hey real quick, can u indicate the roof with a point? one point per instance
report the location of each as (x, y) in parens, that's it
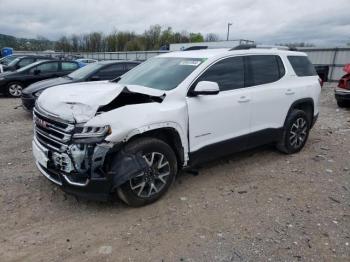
(208, 53)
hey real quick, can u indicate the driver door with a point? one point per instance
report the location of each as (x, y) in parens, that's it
(217, 122)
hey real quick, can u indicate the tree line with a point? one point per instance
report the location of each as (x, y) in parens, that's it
(154, 38)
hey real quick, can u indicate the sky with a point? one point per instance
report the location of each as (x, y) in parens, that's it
(321, 22)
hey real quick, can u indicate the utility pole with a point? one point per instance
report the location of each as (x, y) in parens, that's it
(228, 30)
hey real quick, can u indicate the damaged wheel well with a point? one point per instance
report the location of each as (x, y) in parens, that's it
(168, 135)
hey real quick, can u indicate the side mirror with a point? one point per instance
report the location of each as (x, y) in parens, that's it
(206, 88)
(37, 72)
(95, 78)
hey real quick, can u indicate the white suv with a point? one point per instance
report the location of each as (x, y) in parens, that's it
(132, 135)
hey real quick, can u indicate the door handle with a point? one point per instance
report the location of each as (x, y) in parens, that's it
(290, 92)
(243, 99)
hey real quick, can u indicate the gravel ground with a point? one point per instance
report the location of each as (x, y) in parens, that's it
(259, 205)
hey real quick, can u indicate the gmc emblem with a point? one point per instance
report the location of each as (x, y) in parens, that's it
(41, 122)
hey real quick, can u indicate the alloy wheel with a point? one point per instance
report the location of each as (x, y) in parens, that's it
(153, 180)
(15, 90)
(298, 132)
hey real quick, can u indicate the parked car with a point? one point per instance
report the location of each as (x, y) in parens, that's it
(322, 71)
(12, 83)
(342, 91)
(84, 61)
(104, 70)
(23, 61)
(131, 136)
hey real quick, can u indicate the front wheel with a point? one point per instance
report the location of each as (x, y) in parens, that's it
(14, 89)
(295, 133)
(152, 183)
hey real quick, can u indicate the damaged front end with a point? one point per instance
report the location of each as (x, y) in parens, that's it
(74, 157)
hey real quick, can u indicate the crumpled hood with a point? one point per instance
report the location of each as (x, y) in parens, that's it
(79, 102)
(41, 85)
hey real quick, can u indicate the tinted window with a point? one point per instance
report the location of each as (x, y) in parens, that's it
(46, 67)
(26, 61)
(130, 66)
(228, 73)
(111, 70)
(67, 66)
(302, 66)
(263, 69)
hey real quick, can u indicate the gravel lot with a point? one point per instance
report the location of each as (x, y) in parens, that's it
(259, 205)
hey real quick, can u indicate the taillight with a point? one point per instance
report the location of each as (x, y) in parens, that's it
(320, 81)
(344, 83)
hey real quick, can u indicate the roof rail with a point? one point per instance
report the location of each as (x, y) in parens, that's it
(245, 47)
(196, 47)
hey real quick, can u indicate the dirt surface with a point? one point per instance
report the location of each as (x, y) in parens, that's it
(258, 205)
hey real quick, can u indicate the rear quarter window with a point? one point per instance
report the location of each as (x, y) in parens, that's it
(302, 66)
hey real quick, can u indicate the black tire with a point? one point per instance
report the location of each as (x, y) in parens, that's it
(14, 89)
(342, 104)
(149, 147)
(295, 133)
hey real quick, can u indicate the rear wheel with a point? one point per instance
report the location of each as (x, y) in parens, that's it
(296, 132)
(151, 184)
(14, 89)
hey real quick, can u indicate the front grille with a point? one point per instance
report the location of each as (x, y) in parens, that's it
(52, 133)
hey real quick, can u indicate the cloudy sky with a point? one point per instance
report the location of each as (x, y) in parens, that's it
(322, 22)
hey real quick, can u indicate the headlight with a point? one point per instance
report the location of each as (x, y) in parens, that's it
(91, 131)
(37, 94)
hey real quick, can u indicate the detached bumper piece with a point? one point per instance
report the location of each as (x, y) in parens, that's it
(93, 189)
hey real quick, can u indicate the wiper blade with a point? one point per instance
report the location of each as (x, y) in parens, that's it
(116, 79)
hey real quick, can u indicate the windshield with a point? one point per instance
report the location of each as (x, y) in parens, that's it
(13, 62)
(28, 66)
(163, 73)
(7, 59)
(85, 71)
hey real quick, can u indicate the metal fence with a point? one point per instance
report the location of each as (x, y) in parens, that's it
(335, 58)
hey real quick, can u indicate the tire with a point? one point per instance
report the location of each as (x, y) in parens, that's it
(342, 104)
(14, 89)
(149, 187)
(295, 133)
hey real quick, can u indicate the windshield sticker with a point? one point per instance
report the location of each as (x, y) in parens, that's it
(190, 62)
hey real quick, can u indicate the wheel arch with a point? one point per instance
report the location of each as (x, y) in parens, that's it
(305, 104)
(168, 133)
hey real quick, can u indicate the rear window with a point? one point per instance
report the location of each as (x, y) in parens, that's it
(302, 66)
(263, 69)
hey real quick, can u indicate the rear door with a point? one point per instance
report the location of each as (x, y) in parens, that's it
(271, 97)
(217, 119)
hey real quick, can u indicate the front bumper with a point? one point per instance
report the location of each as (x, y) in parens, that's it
(28, 103)
(86, 186)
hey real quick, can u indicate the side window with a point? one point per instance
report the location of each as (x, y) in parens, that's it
(228, 73)
(130, 66)
(302, 66)
(46, 67)
(263, 69)
(111, 70)
(26, 61)
(67, 66)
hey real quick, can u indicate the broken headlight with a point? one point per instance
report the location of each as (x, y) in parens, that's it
(91, 132)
